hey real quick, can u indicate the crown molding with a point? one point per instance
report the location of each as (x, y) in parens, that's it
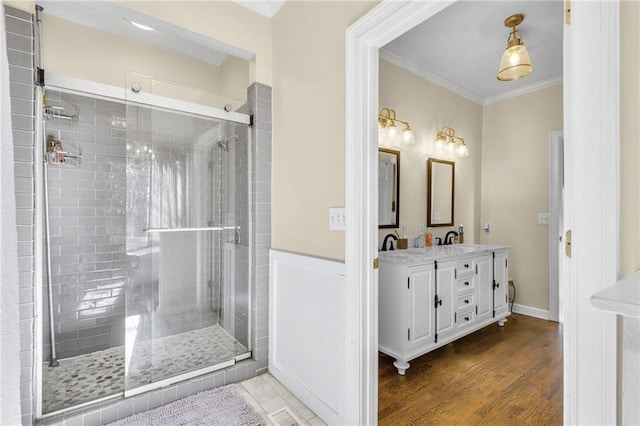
(431, 76)
(550, 82)
(267, 8)
(462, 91)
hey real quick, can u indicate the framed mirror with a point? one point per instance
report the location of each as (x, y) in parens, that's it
(440, 192)
(388, 188)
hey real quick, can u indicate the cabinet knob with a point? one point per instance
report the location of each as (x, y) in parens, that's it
(466, 283)
(466, 318)
(466, 265)
(466, 301)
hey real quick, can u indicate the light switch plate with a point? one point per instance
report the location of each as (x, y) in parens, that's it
(337, 220)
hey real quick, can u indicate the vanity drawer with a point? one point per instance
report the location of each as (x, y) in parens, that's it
(465, 284)
(465, 318)
(465, 267)
(466, 301)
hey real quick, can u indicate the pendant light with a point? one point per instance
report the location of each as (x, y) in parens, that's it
(515, 62)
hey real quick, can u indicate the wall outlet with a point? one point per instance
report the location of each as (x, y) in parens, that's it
(487, 227)
(543, 218)
(337, 220)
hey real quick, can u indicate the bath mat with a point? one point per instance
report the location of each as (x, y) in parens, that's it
(221, 406)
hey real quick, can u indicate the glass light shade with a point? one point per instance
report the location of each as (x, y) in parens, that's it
(440, 140)
(462, 150)
(451, 146)
(515, 63)
(407, 136)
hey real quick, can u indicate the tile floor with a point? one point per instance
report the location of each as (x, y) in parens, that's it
(88, 377)
(267, 395)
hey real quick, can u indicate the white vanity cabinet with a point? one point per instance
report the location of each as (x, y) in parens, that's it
(406, 325)
(430, 297)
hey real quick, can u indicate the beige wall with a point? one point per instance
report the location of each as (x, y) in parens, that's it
(224, 21)
(428, 108)
(76, 50)
(629, 137)
(515, 182)
(308, 123)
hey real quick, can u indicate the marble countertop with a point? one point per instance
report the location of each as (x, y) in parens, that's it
(622, 298)
(430, 254)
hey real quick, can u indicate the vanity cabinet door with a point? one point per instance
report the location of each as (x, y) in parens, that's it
(420, 313)
(484, 282)
(446, 301)
(501, 286)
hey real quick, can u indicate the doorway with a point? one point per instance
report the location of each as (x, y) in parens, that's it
(592, 172)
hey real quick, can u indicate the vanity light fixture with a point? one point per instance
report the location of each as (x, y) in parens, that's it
(388, 133)
(515, 62)
(447, 140)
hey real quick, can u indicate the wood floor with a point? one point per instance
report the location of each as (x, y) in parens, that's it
(509, 375)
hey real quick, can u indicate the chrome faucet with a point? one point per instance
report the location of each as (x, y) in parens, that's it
(447, 238)
(384, 242)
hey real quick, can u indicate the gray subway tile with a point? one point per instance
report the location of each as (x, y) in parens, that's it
(20, 74)
(21, 90)
(23, 138)
(18, 13)
(22, 122)
(19, 42)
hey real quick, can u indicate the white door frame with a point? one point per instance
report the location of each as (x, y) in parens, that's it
(556, 168)
(591, 119)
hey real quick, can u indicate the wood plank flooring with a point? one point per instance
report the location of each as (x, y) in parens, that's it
(509, 375)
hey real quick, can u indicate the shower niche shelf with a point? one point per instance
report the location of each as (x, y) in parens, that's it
(59, 114)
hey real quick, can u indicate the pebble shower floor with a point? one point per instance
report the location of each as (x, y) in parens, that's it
(92, 376)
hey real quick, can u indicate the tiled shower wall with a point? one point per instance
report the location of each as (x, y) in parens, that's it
(87, 227)
(259, 99)
(20, 54)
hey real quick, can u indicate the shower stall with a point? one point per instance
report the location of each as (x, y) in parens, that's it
(146, 219)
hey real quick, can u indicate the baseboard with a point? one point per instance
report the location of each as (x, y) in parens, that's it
(531, 312)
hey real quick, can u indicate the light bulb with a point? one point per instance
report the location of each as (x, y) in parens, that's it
(462, 150)
(392, 136)
(451, 146)
(407, 136)
(381, 135)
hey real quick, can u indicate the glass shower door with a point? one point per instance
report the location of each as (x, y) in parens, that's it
(187, 181)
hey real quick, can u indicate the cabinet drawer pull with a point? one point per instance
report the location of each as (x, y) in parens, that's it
(466, 301)
(466, 265)
(466, 283)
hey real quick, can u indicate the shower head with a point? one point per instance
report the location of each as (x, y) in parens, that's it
(224, 143)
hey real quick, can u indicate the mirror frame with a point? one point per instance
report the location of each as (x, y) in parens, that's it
(397, 154)
(430, 184)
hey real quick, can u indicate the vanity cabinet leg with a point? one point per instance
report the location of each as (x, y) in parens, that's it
(402, 366)
(501, 322)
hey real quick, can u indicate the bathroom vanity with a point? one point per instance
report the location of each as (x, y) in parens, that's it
(431, 296)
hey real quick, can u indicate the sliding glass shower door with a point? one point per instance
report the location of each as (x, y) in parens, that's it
(187, 205)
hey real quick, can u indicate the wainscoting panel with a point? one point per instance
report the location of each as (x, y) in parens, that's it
(307, 348)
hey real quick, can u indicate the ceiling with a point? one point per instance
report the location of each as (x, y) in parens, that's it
(112, 18)
(460, 47)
